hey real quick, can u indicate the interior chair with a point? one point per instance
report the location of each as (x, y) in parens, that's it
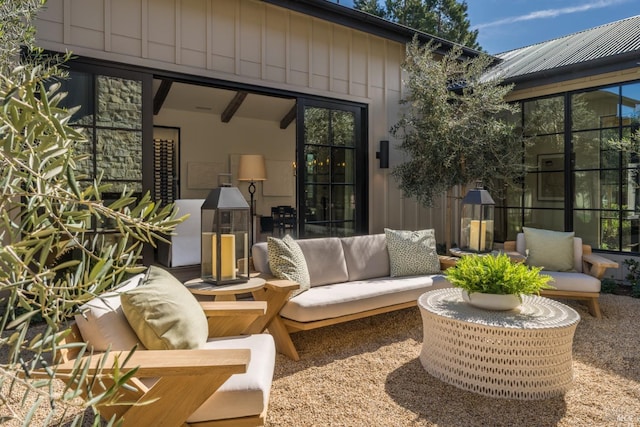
(224, 382)
(266, 225)
(289, 219)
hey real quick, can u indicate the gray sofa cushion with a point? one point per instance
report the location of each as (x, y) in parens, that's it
(260, 255)
(325, 260)
(366, 256)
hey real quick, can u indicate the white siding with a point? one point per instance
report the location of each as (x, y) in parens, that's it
(249, 41)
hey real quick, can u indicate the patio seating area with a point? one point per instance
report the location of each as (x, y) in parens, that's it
(370, 374)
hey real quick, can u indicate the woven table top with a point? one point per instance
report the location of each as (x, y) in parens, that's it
(535, 312)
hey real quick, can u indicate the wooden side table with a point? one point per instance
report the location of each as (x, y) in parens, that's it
(224, 292)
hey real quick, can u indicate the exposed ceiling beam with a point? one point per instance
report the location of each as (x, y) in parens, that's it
(233, 106)
(161, 95)
(288, 118)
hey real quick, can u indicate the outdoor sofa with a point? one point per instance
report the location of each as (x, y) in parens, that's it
(350, 278)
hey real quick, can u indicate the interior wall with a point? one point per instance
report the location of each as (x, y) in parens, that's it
(208, 146)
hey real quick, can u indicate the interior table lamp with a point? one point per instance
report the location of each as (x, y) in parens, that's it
(252, 169)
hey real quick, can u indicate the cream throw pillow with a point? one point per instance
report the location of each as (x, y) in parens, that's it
(552, 250)
(102, 322)
(412, 253)
(287, 261)
(164, 314)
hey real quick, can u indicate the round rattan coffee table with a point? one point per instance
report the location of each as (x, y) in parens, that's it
(519, 354)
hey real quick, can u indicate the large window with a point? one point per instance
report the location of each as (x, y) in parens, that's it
(575, 179)
(111, 115)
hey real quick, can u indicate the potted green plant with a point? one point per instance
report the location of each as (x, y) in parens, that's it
(496, 282)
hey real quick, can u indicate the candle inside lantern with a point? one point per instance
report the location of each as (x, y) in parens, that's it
(478, 234)
(227, 256)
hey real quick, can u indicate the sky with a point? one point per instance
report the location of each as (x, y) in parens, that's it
(509, 24)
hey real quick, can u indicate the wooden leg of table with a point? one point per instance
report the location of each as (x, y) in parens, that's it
(229, 297)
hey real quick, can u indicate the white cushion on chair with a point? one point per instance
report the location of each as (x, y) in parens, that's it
(246, 394)
(571, 281)
(103, 324)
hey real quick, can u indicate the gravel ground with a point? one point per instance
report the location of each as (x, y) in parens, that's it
(367, 373)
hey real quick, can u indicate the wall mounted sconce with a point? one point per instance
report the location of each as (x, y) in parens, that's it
(383, 154)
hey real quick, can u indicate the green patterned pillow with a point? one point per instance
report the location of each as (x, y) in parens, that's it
(286, 261)
(412, 253)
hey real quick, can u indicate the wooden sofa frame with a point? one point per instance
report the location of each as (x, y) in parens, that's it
(281, 328)
(593, 265)
(186, 377)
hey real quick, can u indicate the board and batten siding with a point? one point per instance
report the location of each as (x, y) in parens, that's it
(251, 42)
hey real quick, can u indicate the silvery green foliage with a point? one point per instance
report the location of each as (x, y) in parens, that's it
(456, 126)
(51, 260)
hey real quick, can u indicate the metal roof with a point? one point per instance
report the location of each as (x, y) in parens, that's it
(617, 42)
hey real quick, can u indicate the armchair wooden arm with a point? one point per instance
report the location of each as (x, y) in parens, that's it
(595, 265)
(186, 379)
(228, 318)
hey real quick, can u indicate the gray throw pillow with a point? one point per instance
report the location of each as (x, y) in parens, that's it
(412, 253)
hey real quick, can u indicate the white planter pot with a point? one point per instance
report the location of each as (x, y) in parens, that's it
(492, 301)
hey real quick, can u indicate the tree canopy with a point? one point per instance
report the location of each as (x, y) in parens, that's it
(447, 19)
(455, 126)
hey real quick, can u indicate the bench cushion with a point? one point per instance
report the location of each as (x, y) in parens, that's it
(246, 394)
(340, 299)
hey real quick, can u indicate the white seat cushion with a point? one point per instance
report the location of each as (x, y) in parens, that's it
(246, 394)
(572, 281)
(340, 299)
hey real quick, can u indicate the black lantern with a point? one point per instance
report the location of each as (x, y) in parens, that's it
(476, 228)
(224, 237)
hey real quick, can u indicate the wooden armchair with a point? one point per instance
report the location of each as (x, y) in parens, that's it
(226, 383)
(583, 283)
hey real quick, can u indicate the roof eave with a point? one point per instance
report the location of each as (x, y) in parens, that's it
(368, 23)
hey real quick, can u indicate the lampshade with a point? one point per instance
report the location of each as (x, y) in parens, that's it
(252, 168)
